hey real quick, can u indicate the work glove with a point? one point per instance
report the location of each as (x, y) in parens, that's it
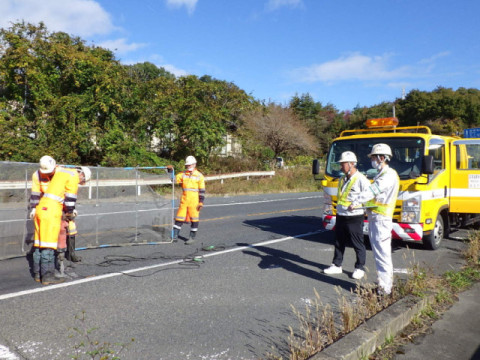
(32, 213)
(199, 207)
(75, 213)
(170, 168)
(69, 216)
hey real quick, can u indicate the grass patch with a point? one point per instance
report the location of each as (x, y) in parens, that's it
(298, 179)
(319, 326)
(446, 289)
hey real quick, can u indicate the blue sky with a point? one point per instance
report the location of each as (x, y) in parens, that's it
(342, 52)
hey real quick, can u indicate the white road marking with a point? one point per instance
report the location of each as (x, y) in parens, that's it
(171, 208)
(6, 354)
(106, 276)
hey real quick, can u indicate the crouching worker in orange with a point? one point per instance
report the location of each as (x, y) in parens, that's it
(61, 194)
(193, 185)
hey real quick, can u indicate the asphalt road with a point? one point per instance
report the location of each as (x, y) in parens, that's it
(182, 302)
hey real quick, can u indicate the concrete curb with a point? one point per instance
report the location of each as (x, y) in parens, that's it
(363, 341)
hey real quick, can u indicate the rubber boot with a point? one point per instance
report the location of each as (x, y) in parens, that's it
(191, 240)
(51, 279)
(36, 264)
(61, 263)
(71, 250)
(48, 277)
(176, 232)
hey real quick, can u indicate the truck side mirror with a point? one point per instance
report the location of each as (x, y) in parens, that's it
(316, 167)
(427, 165)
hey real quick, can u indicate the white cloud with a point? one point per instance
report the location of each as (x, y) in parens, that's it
(189, 4)
(121, 46)
(434, 57)
(352, 67)
(76, 17)
(158, 61)
(275, 4)
(173, 69)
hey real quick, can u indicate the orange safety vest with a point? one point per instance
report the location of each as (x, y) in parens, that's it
(62, 191)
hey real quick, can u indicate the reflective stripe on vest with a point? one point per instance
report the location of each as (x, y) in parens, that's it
(342, 197)
(54, 197)
(381, 208)
(194, 190)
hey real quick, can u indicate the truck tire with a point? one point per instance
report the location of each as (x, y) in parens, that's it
(432, 241)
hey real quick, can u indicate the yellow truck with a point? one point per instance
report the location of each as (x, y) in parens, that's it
(439, 178)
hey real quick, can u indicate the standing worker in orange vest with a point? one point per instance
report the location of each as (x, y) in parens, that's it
(60, 196)
(193, 185)
(40, 181)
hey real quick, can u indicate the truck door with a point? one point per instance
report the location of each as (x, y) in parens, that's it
(465, 176)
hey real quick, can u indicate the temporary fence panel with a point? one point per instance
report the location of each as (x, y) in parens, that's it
(119, 206)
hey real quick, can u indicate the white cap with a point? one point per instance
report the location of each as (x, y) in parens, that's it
(47, 164)
(190, 160)
(381, 149)
(348, 156)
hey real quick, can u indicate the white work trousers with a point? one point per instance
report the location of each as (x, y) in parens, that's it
(380, 233)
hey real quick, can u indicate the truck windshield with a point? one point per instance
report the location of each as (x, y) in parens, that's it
(407, 155)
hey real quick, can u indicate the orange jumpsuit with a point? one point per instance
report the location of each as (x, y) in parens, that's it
(61, 193)
(193, 185)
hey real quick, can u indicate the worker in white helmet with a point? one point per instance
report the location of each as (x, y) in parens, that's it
(380, 200)
(193, 197)
(349, 223)
(59, 198)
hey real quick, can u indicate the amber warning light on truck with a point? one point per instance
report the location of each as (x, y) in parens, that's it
(382, 122)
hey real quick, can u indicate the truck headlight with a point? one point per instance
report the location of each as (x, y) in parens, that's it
(411, 210)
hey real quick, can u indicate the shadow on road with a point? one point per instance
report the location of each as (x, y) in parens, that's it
(272, 258)
(292, 226)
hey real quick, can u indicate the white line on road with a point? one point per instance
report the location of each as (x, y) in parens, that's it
(105, 276)
(6, 354)
(170, 209)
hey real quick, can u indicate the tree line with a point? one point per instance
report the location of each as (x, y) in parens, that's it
(78, 103)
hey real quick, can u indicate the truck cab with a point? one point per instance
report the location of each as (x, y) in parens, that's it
(439, 178)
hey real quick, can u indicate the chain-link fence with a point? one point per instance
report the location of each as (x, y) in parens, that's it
(119, 206)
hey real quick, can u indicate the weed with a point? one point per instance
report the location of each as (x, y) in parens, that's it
(463, 279)
(445, 289)
(429, 311)
(89, 348)
(472, 253)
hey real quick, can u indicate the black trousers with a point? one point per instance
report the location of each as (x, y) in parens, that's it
(349, 230)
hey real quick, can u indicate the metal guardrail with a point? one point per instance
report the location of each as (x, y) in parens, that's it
(11, 185)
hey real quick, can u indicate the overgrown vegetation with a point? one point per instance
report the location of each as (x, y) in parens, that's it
(79, 104)
(319, 326)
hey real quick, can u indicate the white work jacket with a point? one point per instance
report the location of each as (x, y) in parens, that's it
(359, 186)
(384, 191)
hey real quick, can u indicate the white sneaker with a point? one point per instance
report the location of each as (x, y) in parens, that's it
(358, 274)
(333, 269)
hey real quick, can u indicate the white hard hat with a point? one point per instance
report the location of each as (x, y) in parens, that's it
(348, 156)
(47, 164)
(86, 172)
(381, 149)
(190, 160)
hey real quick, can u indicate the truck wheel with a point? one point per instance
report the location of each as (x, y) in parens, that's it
(432, 241)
